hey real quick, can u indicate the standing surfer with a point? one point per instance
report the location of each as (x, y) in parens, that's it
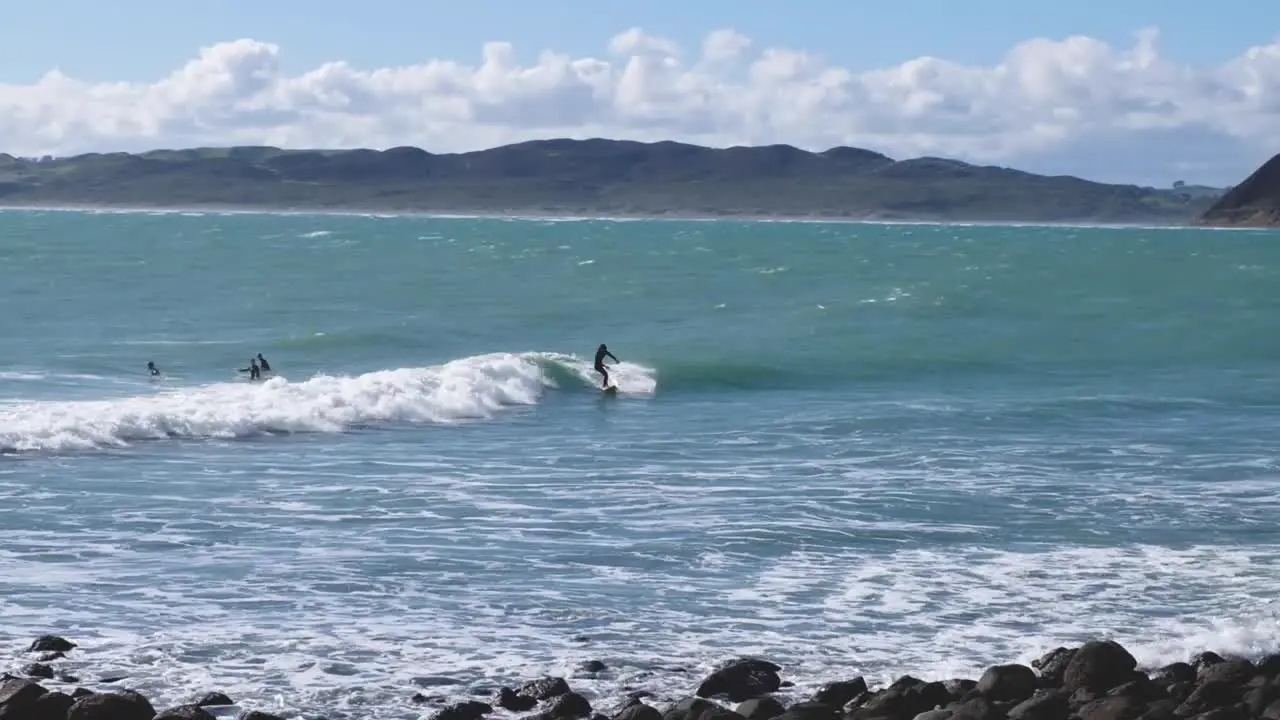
(601, 353)
(262, 363)
(255, 373)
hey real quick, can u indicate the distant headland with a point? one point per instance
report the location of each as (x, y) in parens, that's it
(1253, 203)
(597, 177)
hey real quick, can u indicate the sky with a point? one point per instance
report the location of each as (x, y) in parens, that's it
(1135, 91)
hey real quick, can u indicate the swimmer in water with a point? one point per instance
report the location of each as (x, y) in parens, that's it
(151, 368)
(262, 363)
(255, 373)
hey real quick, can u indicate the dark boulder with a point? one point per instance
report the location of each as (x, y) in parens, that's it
(185, 712)
(1259, 698)
(640, 711)
(38, 670)
(509, 699)
(811, 711)
(1162, 709)
(1118, 707)
(1175, 673)
(1007, 682)
(905, 698)
(257, 715)
(568, 706)
(593, 666)
(1099, 665)
(1270, 665)
(695, 708)
(1052, 665)
(544, 688)
(51, 706)
(761, 708)
(741, 680)
(16, 693)
(124, 705)
(1205, 659)
(51, 643)
(1044, 705)
(1234, 672)
(976, 708)
(468, 710)
(840, 693)
(1209, 696)
(214, 698)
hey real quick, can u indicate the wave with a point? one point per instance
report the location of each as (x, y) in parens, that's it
(471, 388)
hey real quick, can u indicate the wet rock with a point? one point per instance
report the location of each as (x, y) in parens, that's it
(68, 678)
(256, 715)
(695, 708)
(544, 688)
(840, 693)
(420, 699)
(811, 711)
(762, 708)
(593, 666)
(1119, 707)
(741, 680)
(568, 706)
(1052, 665)
(978, 708)
(16, 693)
(1008, 682)
(1162, 709)
(640, 711)
(81, 692)
(1270, 665)
(1044, 705)
(959, 687)
(185, 712)
(905, 698)
(38, 670)
(214, 698)
(1099, 665)
(469, 710)
(509, 699)
(1205, 659)
(1209, 696)
(1176, 673)
(52, 705)
(51, 643)
(1235, 672)
(939, 714)
(1257, 699)
(50, 656)
(125, 705)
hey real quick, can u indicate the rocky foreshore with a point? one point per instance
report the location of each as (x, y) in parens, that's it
(1099, 680)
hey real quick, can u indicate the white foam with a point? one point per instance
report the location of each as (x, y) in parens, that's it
(465, 389)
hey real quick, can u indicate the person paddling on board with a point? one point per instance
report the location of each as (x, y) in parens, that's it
(601, 353)
(254, 372)
(262, 363)
(151, 368)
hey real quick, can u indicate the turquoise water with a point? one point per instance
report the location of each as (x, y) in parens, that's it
(852, 448)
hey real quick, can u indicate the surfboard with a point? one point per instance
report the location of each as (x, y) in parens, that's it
(611, 390)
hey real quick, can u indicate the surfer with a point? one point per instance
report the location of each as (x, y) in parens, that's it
(262, 363)
(151, 368)
(255, 373)
(601, 353)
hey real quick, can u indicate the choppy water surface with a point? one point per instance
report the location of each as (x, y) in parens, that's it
(868, 449)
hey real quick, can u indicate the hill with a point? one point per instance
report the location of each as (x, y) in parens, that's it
(586, 177)
(1253, 203)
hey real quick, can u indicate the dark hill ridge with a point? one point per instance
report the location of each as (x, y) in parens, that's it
(1253, 203)
(585, 177)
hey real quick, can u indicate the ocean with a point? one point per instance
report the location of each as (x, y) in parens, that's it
(854, 449)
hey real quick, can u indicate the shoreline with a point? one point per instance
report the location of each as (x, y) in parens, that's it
(555, 216)
(1098, 680)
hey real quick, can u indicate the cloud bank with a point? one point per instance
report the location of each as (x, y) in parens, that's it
(1075, 105)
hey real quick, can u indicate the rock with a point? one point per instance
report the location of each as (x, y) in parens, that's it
(38, 670)
(741, 680)
(939, 714)
(695, 708)
(1273, 711)
(81, 692)
(544, 688)
(840, 693)
(255, 715)
(568, 706)
(593, 666)
(52, 705)
(1007, 682)
(1230, 712)
(1235, 672)
(1206, 659)
(125, 705)
(50, 656)
(1119, 707)
(1099, 665)
(905, 698)
(51, 643)
(640, 711)
(18, 693)
(1044, 705)
(509, 699)
(1160, 710)
(1209, 696)
(977, 708)
(1258, 698)
(214, 698)
(1053, 664)
(761, 708)
(811, 711)
(959, 687)
(469, 710)
(1270, 665)
(1175, 673)
(185, 712)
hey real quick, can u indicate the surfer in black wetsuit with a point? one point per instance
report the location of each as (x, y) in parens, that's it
(255, 373)
(262, 363)
(151, 368)
(601, 353)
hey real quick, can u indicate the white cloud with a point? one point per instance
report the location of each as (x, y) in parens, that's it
(1072, 105)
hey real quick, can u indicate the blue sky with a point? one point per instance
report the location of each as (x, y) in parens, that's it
(140, 40)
